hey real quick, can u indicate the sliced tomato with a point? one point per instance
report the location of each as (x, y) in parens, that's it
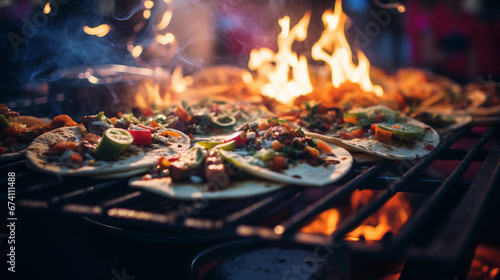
(345, 135)
(382, 135)
(141, 137)
(358, 133)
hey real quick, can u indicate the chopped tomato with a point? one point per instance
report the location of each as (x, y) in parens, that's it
(324, 147)
(353, 120)
(163, 163)
(172, 159)
(182, 114)
(263, 126)
(279, 163)
(154, 124)
(148, 112)
(378, 118)
(276, 145)
(322, 109)
(287, 126)
(345, 135)
(429, 147)
(64, 146)
(358, 133)
(113, 120)
(141, 137)
(76, 158)
(170, 133)
(372, 129)
(191, 136)
(314, 153)
(272, 124)
(119, 114)
(382, 135)
(147, 127)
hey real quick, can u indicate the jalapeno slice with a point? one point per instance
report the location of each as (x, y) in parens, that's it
(224, 121)
(403, 129)
(114, 141)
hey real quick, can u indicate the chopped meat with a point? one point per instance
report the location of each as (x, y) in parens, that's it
(300, 143)
(60, 121)
(279, 133)
(28, 136)
(4, 110)
(92, 138)
(215, 171)
(90, 123)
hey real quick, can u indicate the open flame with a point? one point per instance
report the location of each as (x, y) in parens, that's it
(276, 66)
(99, 31)
(332, 48)
(389, 218)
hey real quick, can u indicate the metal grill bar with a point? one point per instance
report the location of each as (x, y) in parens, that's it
(449, 244)
(323, 204)
(410, 228)
(352, 222)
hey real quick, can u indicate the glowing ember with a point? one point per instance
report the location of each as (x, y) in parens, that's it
(99, 31)
(340, 59)
(276, 67)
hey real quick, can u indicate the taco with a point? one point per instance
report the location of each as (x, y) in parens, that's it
(106, 152)
(210, 117)
(382, 132)
(16, 131)
(269, 150)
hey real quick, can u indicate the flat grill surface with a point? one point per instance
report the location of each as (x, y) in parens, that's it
(452, 206)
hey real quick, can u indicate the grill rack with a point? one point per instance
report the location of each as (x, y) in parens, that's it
(137, 214)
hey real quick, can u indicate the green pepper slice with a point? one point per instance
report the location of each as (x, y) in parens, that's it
(4, 122)
(403, 129)
(114, 141)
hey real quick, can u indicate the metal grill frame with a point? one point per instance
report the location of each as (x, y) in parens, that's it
(112, 206)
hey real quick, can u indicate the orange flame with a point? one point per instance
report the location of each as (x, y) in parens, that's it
(340, 59)
(388, 219)
(325, 223)
(179, 85)
(150, 93)
(99, 31)
(280, 86)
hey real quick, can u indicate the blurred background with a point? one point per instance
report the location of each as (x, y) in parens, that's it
(455, 38)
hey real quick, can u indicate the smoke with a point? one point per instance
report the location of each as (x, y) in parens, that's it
(42, 43)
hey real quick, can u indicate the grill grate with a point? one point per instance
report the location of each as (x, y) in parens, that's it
(280, 215)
